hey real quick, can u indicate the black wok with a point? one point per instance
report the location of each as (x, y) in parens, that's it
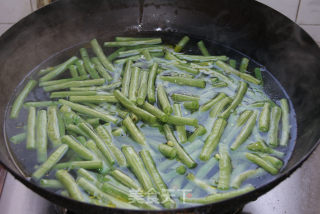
(248, 26)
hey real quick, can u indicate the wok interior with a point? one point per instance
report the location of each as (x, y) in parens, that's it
(257, 31)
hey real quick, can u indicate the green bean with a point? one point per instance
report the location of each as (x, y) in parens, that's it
(225, 169)
(244, 64)
(198, 58)
(202, 184)
(237, 181)
(186, 68)
(99, 142)
(51, 183)
(213, 139)
(244, 116)
(99, 52)
(17, 104)
(181, 170)
(101, 70)
(151, 83)
(107, 138)
(160, 185)
(266, 165)
(40, 104)
(169, 56)
(216, 197)
(236, 101)
(69, 183)
(89, 66)
(155, 111)
(50, 162)
(260, 146)
(18, 138)
(184, 97)
(201, 130)
(124, 39)
(143, 88)
(181, 130)
(76, 130)
(95, 191)
(124, 195)
(106, 166)
(144, 115)
(274, 126)
(163, 100)
(245, 131)
(181, 44)
(244, 76)
(191, 105)
(118, 132)
(78, 148)
(45, 70)
(203, 49)
(257, 73)
(59, 69)
(93, 164)
(199, 83)
(60, 81)
(133, 43)
(80, 66)
(87, 175)
(233, 63)
(41, 137)
(126, 79)
(137, 167)
(31, 129)
(134, 84)
(130, 58)
(88, 111)
(61, 125)
(219, 107)
(135, 133)
(277, 163)
(264, 119)
(215, 100)
(93, 121)
(285, 131)
(81, 139)
(124, 179)
(116, 54)
(146, 54)
(62, 94)
(219, 84)
(183, 156)
(53, 126)
(79, 83)
(73, 71)
(94, 99)
(98, 88)
(126, 53)
(168, 151)
(181, 121)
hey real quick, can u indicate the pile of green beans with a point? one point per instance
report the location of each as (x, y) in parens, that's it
(150, 121)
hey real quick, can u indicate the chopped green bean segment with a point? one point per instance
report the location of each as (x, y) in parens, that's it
(181, 44)
(133, 43)
(199, 83)
(16, 139)
(203, 48)
(17, 104)
(244, 64)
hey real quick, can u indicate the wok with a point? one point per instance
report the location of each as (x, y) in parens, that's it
(245, 25)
